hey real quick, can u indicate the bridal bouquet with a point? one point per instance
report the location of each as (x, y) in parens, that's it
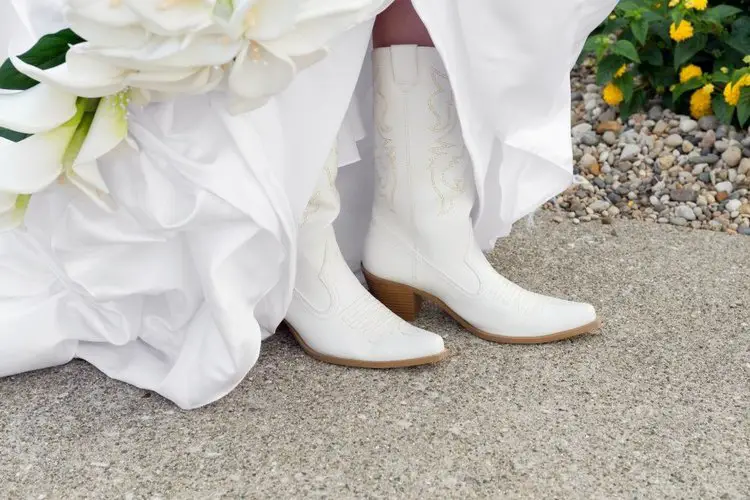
(64, 103)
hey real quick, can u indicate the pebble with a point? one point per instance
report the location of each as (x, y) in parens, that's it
(587, 161)
(630, 152)
(674, 140)
(708, 123)
(688, 125)
(733, 206)
(709, 158)
(725, 187)
(683, 195)
(732, 156)
(685, 212)
(609, 138)
(678, 221)
(581, 129)
(599, 205)
(708, 140)
(656, 166)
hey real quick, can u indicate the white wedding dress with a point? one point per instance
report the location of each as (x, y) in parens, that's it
(175, 290)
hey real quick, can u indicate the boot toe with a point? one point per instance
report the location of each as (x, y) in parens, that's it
(408, 342)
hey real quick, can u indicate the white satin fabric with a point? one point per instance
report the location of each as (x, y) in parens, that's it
(175, 290)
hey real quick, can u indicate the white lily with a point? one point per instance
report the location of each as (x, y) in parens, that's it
(162, 54)
(38, 109)
(81, 75)
(171, 17)
(33, 164)
(105, 32)
(106, 130)
(69, 151)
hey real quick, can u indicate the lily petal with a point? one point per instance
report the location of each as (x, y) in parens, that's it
(38, 109)
(108, 129)
(107, 12)
(270, 19)
(7, 202)
(33, 164)
(198, 82)
(88, 179)
(258, 73)
(103, 35)
(80, 75)
(161, 53)
(171, 17)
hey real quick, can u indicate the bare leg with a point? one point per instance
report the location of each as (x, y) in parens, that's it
(400, 24)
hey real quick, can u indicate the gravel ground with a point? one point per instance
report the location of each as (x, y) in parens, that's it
(658, 166)
(656, 406)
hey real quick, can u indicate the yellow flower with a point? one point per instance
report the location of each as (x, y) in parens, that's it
(612, 94)
(613, 17)
(657, 6)
(681, 32)
(700, 102)
(689, 72)
(724, 70)
(732, 94)
(696, 4)
(674, 3)
(623, 69)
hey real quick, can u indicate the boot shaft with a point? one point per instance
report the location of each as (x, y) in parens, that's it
(424, 175)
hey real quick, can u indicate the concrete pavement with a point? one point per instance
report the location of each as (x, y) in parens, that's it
(657, 405)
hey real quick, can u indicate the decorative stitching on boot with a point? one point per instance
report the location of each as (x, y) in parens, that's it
(368, 316)
(448, 180)
(385, 162)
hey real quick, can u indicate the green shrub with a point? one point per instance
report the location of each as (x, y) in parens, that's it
(695, 56)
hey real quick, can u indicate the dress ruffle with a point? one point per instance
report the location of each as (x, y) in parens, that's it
(175, 290)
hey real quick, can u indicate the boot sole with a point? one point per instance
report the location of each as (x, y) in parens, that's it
(406, 302)
(356, 363)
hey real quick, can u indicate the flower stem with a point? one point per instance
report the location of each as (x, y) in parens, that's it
(89, 107)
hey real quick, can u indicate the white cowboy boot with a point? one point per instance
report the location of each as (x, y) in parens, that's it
(332, 315)
(421, 242)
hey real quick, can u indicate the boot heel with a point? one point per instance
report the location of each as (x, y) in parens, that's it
(400, 299)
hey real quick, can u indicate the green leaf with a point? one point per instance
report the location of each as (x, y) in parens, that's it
(640, 30)
(723, 111)
(608, 66)
(689, 85)
(721, 12)
(48, 52)
(12, 135)
(652, 55)
(664, 76)
(719, 77)
(652, 17)
(627, 6)
(592, 43)
(632, 105)
(626, 49)
(743, 107)
(677, 16)
(689, 48)
(625, 82)
(740, 37)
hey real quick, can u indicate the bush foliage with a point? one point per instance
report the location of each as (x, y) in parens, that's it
(694, 55)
